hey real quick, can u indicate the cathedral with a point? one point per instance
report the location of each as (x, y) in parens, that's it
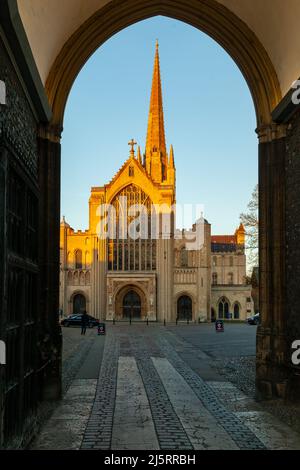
(115, 276)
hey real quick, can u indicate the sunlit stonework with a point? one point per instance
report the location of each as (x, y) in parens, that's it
(154, 279)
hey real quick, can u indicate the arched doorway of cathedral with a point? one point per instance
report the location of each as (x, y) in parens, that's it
(184, 308)
(212, 315)
(249, 54)
(130, 303)
(79, 303)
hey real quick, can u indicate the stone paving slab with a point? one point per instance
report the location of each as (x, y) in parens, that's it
(133, 426)
(270, 430)
(156, 390)
(202, 429)
(65, 429)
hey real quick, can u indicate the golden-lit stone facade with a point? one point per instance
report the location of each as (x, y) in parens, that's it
(149, 277)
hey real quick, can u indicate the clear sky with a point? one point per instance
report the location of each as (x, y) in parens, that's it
(209, 119)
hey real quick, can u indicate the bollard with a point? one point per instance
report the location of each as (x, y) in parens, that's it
(188, 321)
(114, 321)
(147, 322)
(199, 320)
(130, 320)
(164, 322)
(176, 320)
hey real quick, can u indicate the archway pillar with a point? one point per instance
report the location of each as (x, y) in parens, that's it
(272, 361)
(49, 262)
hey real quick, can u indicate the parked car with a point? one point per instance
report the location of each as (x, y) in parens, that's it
(254, 320)
(75, 320)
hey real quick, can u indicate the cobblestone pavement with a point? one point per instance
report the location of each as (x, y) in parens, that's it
(159, 387)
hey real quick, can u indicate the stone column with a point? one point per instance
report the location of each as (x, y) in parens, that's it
(102, 268)
(165, 273)
(271, 360)
(292, 211)
(49, 225)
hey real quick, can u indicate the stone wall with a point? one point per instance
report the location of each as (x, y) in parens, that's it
(292, 205)
(29, 333)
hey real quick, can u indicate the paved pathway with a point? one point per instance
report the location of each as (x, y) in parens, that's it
(147, 387)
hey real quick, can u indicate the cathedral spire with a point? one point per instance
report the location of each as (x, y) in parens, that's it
(156, 154)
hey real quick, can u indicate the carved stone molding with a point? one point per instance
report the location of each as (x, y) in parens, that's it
(270, 132)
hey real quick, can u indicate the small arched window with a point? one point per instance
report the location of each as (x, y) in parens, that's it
(230, 278)
(78, 259)
(236, 311)
(215, 261)
(214, 279)
(231, 261)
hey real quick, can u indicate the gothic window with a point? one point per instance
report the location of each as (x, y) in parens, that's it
(230, 261)
(215, 262)
(131, 171)
(214, 279)
(230, 278)
(223, 309)
(78, 259)
(124, 252)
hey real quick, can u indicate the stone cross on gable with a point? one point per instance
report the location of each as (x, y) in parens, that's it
(132, 143)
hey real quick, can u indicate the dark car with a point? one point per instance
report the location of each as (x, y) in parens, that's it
(75, 320)
(254, 320)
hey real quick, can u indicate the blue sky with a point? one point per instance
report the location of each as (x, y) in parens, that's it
(209, 119)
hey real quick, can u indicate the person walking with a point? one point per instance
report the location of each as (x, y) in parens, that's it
(84, 322)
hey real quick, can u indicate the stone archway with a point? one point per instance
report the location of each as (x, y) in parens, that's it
(248, 53)
(130, 303)
(79, 303)
(184, 308)
(208, 16)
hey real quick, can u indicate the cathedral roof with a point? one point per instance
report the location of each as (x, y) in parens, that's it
(223, 239)
(130, 161)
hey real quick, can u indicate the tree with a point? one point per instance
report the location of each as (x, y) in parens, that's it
(250, 221)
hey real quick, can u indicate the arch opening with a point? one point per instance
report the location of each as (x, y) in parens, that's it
(210, 17)
(79, 303)
(184, 308)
